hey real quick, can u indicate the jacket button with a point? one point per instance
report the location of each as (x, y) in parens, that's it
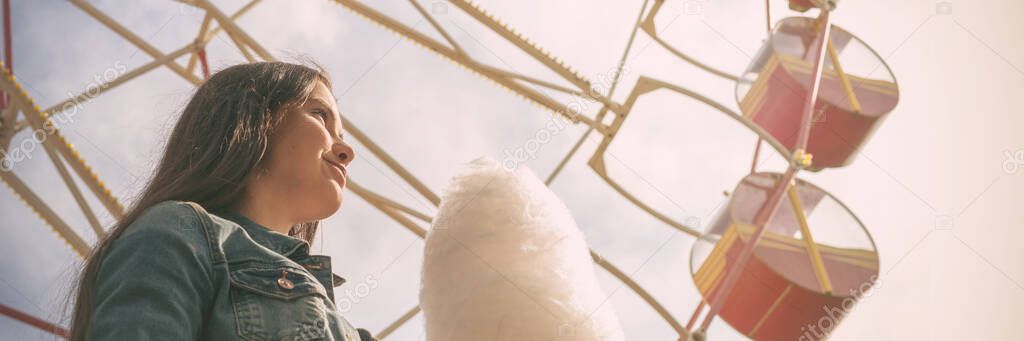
(284, 282)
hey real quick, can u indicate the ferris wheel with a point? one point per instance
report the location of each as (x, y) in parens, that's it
(781, 250)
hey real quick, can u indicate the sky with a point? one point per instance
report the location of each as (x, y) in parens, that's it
(938, 185)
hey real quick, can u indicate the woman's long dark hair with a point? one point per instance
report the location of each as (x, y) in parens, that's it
(220, 138)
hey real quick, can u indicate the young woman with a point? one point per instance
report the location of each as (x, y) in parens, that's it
(216, 247)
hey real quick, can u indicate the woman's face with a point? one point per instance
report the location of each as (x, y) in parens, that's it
(307, 162)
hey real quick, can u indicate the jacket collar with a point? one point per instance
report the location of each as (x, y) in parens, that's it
(291, 247)
(287, 246)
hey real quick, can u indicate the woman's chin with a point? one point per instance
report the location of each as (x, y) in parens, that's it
(326, 208)
(329, 199)
(334, 203)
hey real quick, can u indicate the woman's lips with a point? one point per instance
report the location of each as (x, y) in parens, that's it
(341, 167)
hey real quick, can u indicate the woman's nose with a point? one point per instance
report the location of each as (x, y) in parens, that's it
(344, 152)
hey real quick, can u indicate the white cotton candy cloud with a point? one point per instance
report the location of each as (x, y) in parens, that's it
(504, 260)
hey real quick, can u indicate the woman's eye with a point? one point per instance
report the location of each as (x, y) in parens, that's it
(321, 113)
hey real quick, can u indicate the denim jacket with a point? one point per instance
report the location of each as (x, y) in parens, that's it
(179, 272)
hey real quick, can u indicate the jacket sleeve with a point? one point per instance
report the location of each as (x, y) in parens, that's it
(155, 280)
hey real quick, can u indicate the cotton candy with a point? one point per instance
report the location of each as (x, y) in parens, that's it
(504, 260)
